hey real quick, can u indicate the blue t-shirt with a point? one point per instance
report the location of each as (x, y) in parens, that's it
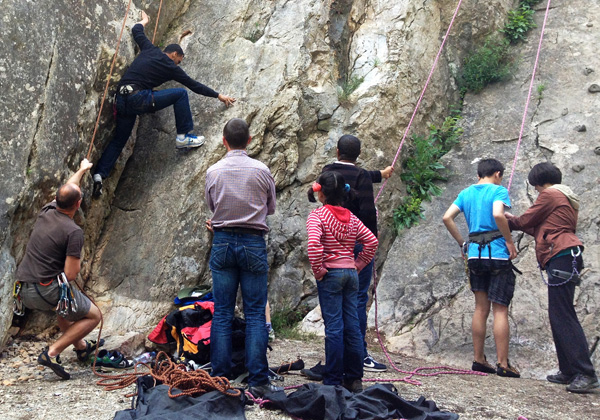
(477, 203)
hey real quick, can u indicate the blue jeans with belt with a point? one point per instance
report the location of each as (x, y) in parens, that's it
(138, 103)
(239, 259)
(343, 340)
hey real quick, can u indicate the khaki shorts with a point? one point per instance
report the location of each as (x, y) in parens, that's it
(45, 298)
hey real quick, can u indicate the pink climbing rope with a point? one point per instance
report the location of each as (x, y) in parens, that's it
(537, 58)
(440, 370)
(437, 57)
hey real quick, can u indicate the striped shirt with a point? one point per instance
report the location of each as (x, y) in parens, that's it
(240, 191)
(332, 234)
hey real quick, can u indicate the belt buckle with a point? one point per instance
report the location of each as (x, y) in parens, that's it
(125, 89)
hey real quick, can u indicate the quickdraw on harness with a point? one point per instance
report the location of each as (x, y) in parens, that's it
(18, 307)
(66, 301)
(564, 275)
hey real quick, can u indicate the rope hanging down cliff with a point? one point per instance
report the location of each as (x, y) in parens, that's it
(537, 58)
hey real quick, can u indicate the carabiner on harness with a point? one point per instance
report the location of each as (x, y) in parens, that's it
(66, 301)
(18, 307)
(565, 275)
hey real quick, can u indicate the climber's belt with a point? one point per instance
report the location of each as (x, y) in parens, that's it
(127, 90)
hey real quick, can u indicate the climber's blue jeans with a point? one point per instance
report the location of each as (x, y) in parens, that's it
(143, 102)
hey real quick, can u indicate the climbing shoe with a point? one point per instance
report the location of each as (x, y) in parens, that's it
(112, 360)
(483, 367)
(508, 372)
(370, 365)
(90, 348)
(559, 378)
(354, 386)
(583, 384)
(189, 141)
(97, 189)
(53, 363)
(315, 373)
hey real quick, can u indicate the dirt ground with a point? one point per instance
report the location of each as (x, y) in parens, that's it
(32, 392)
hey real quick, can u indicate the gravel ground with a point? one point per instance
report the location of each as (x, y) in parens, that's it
(30, 391)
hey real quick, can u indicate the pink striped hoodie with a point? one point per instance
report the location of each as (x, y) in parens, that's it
(332, 233)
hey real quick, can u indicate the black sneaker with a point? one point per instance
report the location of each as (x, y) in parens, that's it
(483, 367)
(90, 348)
(53, 363)
(370, 365)
(583, 384)
(97, 190)
(261, 390)
(559, 378)
(354, 386)
(315, 373)
(507, 372)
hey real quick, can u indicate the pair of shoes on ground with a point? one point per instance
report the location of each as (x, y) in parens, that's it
(189, 141)
(486, 367)
(112, 360)
(261, 391)
(53, 363)
(90, 348)
(579, 383)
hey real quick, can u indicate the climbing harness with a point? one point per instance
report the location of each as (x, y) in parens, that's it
(484, 239)
(564, 275)
(18, 308)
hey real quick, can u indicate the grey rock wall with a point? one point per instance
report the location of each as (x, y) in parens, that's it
(285, 62)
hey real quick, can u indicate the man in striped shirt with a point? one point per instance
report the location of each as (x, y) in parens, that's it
(240, 191)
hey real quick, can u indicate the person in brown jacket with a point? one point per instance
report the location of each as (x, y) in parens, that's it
(552, 221)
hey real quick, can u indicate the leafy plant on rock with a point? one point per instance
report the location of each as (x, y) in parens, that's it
(348, 87)
(422, 170)
(519, 22)
(488, 64)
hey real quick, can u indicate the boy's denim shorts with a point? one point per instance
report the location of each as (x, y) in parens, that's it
(495, 277)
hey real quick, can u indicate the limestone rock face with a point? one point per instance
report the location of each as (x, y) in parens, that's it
(425, 305)
(290, 65)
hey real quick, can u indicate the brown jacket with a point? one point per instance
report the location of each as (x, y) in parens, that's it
(552, 221)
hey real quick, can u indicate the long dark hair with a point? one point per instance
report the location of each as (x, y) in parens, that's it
(334, 187)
